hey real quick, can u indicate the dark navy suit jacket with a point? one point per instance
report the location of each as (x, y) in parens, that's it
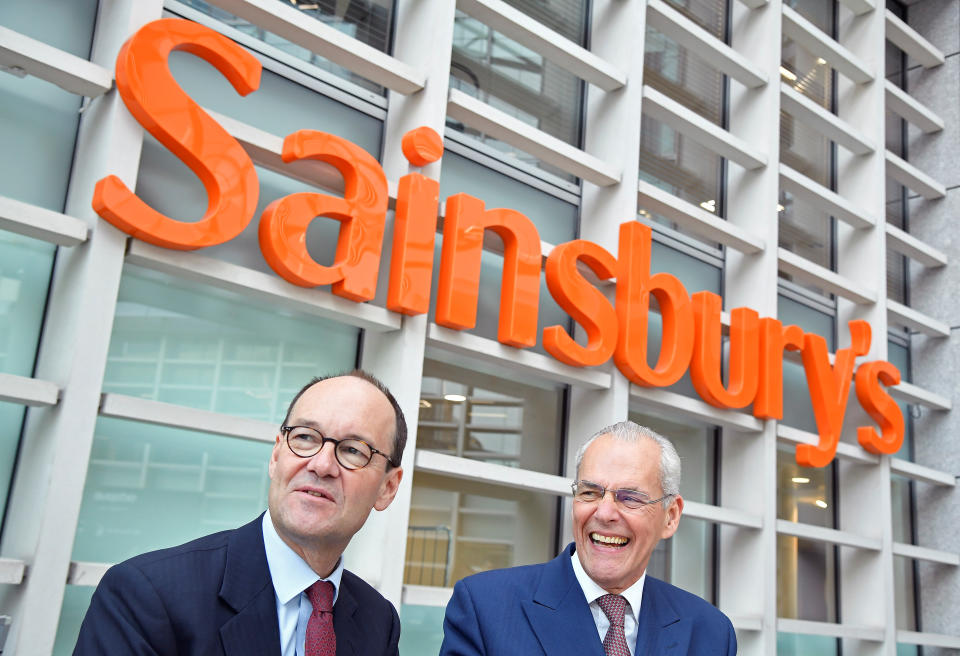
(214, 596)
(541, 609)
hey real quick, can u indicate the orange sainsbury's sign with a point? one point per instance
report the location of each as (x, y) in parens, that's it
(691, 331)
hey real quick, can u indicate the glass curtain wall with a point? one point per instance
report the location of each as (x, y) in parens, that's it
(33, 112)
(803, 229)
(518, 81)
(668, 159)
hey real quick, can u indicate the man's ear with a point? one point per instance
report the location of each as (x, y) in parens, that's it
(672, 519)
(388, 488)
(274, 455)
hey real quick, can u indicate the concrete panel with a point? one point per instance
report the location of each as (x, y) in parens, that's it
(935, 222)
(939, 22)
(936, 362)
(937, 154)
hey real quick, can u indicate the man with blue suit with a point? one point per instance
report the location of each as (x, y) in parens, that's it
(595, 598)
(276, 585)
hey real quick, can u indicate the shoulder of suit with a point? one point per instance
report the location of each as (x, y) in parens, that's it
(691, 603)
(169, 558)
(521, 576)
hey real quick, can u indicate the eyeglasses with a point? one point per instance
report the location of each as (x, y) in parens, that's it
(587, 492)
(350, 452)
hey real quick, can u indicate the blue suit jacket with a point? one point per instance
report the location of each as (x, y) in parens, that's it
(214, 596)
(541, 609)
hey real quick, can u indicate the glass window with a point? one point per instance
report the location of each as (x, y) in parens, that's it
(795, 644)
(806, 570)
(556, 220)
(150, 487)
(687, 559)
(279, 106)
(481, 417)
(25, 266)
(899, 356)
(368, 21)
(195, 346)
(458, 528)
(518, 81)
(799, 411)
(64, 25)
(422, 629)
(668, 159)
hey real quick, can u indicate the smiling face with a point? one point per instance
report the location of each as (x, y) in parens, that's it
(613, 543)
(315, 504)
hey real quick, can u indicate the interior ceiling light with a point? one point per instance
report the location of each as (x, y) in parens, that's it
(821, 503)
(425, 404)
(709, 205)
(800, 479)
(780, 208)
(454, 398)
(821, 61)
(787, 73)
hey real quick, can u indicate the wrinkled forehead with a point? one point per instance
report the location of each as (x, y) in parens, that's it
(617, 463)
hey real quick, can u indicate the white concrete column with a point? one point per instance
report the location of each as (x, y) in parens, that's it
(52, 466)
(612, 133)
(866, 577)
(377, 552)
(748, 467)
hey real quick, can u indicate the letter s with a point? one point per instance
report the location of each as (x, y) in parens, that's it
(169, 114)
(880, 406)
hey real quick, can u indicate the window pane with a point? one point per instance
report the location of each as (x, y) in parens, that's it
(794, 644)
(422, 629)
(806, 572)
(280, 106)
(481, 417)
(804, 494)
(195, 346)
(799, 412)
(516, 80)
(25, 266)
(555, 219)
(150, 487)
(64, 25)
(686, 560)
(369, 22)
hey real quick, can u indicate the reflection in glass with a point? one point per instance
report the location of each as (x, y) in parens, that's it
(368, 21)
(686, 560)
(458, 528)
(422, 629)
(795, 644)
(195, 346)
(806, 570)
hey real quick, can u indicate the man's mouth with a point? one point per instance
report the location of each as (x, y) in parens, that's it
(320, 494)
(609, 540)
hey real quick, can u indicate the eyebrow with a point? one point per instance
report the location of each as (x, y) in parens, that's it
(309, 423)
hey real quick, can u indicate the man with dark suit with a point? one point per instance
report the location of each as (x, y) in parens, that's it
(595, 598)
(276, 585)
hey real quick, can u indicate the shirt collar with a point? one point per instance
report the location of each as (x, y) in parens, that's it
(290, 573)
(592, 591)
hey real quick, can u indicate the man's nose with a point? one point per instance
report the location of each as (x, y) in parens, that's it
(607, 506)
(324, 462)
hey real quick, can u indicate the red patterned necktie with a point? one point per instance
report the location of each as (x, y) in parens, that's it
(615, 642)
(321, 640)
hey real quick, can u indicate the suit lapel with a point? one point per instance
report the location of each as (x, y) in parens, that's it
(559, 614)
(345, 625)
(247, 589)
(661, 631)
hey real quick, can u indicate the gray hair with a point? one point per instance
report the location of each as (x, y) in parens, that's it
(628, 431)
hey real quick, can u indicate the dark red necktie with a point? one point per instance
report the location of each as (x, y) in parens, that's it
(615, 642)
(321, 640)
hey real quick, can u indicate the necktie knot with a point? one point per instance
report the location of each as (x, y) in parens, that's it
(320, 595)
(613, 607)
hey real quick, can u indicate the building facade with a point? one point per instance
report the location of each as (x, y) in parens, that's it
(141, 387)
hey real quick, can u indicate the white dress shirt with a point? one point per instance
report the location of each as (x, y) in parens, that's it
(291, 576)
(631, 613)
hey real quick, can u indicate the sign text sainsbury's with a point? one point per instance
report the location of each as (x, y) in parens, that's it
(691, 331)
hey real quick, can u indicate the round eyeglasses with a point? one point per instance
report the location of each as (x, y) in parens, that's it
(350, 452)
(587, 492)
